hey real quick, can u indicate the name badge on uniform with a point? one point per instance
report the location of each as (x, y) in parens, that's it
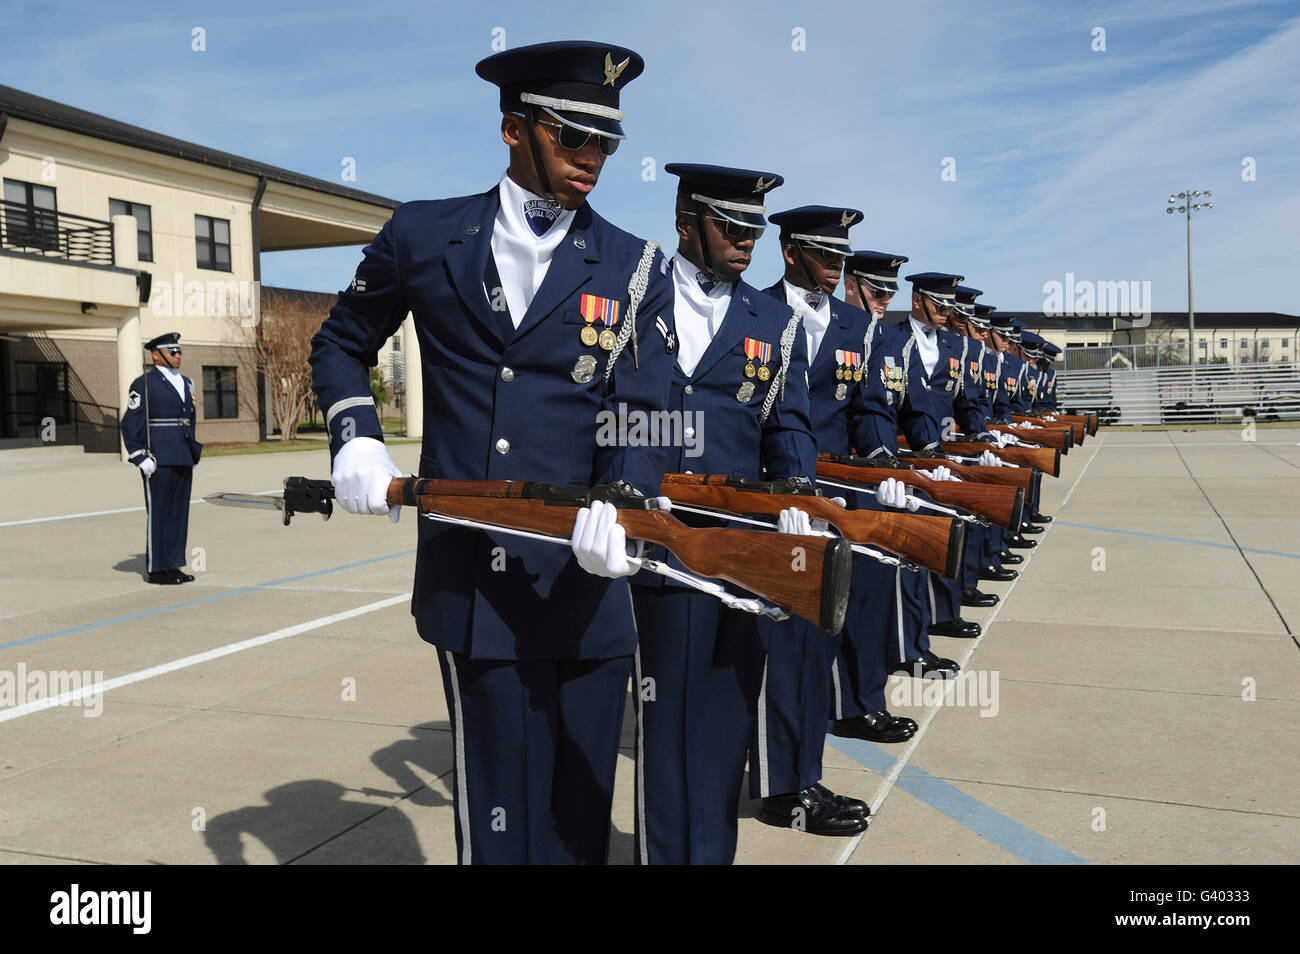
(841, 391)
(745, 392)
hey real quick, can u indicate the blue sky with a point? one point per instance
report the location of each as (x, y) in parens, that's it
(1064, 156)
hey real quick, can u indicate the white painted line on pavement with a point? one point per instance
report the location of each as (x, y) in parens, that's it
(892, 778)
(78, 516)
(74, 696)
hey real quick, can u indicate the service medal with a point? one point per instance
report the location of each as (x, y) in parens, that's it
(745, 392)
(584, 369)
(839, 374)
(763, 373)
(841, 391)
(596, 309)
(749, 369)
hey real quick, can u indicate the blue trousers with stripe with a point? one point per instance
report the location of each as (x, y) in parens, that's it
(698, 673)
(535, 745)
(909, 621)
(859, 672)
(167, 511)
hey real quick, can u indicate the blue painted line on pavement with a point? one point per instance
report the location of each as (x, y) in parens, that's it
(991, 825)
(99, 624)
(1199, 543)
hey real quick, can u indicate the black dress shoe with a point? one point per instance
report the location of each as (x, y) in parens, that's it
(162, 577)
(929, 666)
(848, 804)
(875, 727)
(1018, 542)
(181, 576)
(998, 574)
(1006, 556)
(976, 597)
(1037, 517)
(956, 628)
(1030, 528)
(808, 811)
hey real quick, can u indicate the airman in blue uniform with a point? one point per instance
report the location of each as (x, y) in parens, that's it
(801, 684)
(158, 431)
(1004, 332)
(536, 320)
(740, 375)
(949, 596)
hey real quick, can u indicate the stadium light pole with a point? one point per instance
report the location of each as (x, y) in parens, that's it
(1191, 201)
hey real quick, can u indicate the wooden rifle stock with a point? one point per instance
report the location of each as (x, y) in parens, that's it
(1076, 428)
(1026, 477)
(1059, 439)
(1002, 505)
(935, 543)
(808, 576)
(1046, 459)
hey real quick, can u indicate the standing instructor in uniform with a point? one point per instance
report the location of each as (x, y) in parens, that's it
(158, 431)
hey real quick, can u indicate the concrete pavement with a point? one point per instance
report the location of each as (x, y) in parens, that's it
(1147, 682)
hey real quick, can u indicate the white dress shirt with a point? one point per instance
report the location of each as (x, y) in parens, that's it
(698, 313)
(927, 344)
(174, 378)
(522, 256)
(816, 315)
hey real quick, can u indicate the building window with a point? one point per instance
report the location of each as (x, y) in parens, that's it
(220, 393)
(1286, 342)
(1263, 342)
(41, 391)
(1201, 343)
(31, 216)
(212, 242)
(397, 342)
(143, 221)
(1223, 342)
(1244, 343)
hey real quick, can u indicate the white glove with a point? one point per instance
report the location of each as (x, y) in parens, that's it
(794, 520)
(148, 466)
(990, 459)
(821, 526)
(942, 473)
(893, 493)
(362, 472)
(599, 541)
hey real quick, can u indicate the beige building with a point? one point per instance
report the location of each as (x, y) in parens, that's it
(110, 235)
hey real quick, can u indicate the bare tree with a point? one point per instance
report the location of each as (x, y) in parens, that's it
(281, 346)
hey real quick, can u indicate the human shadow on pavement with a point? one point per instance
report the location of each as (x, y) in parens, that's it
(133, 564)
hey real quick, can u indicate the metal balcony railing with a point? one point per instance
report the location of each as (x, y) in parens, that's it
(56, 235)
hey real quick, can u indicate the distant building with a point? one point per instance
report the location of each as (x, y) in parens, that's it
(111, 234)
(1221, 337)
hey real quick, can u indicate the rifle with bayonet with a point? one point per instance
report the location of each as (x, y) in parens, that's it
(935, 543)
(1046, 459)
(1001, 505)
(1076, 431)
(1006, 475)
(808, 576)
(1082, 423)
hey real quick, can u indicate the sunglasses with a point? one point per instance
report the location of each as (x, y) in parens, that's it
(829, 259)
(175, 350)
(734, 230)
(572, 138)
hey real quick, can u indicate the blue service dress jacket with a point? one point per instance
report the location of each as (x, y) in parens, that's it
(169, 432)
(500, 403)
